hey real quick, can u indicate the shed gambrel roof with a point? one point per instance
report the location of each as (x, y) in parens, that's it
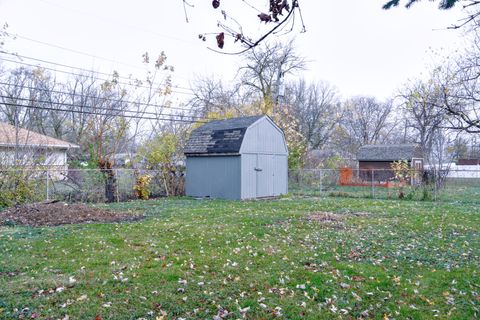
(389, 152)
(219, 136)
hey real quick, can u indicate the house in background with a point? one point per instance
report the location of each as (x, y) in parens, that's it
(377, 160)
(239, 158)
(468, 162)
(25, 148)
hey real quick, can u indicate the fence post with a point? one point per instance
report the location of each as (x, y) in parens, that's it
(300, 180)
(320, 176)
(373, 187)
(117, 181)
(47, 181)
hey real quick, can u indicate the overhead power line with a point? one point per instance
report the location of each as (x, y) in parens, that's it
(72, 50)
(83, 75)
(102, 108)
(102, 114)
(90, 96)
(129, 26)
(81, 69)
(81, 52)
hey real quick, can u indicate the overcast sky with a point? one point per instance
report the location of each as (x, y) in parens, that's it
(353, 44)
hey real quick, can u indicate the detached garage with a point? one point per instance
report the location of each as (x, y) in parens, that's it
(239, 158)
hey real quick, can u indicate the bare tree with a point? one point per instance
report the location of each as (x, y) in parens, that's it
(459, 86)
(421, 116)
(264, 69)
(213, 96)
(364, 121)
(367, 119)
(104, 117)
(317, 108)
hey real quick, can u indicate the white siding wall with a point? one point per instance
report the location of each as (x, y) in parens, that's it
(263, 137)
(264, 149)
(29, 157)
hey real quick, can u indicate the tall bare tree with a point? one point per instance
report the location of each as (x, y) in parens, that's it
(364, 120)
(264, 69)
(317, 108)
(421, 116)
(213, 96)
(459, 85)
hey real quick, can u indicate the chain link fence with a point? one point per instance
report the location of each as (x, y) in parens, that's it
(92, 185)
(428, 185)
(84, 185)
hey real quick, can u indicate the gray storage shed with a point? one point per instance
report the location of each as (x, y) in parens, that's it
(239, 158)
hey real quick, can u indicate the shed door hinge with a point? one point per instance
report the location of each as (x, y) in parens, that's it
(258, 169)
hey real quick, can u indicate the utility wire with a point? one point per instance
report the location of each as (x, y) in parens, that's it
(81, 52)
(82, 75)
(116, 22)
(94, 97)
(103, 108)
(81, 69)
(72, 50)
(102, 114)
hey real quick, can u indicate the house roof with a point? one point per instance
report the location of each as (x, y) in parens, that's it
(11, 137)
(389, 152)
(219, 136)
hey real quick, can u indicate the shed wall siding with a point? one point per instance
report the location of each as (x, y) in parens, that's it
(263, 137)
(215, 177)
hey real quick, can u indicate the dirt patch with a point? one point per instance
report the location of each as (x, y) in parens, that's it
(331, 219)
(325, 217)
(60, 213)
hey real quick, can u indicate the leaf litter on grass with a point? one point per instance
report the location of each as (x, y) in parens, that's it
(268, 260)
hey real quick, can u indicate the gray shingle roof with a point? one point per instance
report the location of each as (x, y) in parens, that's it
(389, 152)
(219, 136)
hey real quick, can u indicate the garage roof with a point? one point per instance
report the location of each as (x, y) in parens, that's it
(389, 152)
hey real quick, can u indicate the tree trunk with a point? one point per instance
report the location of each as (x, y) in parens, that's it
(110, 185)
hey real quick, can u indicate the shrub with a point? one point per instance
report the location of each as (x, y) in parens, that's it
(142, 186)
(20, 186)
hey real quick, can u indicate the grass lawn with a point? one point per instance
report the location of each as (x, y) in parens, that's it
(260, 260)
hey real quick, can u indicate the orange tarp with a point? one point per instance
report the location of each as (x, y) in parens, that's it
(346, 179)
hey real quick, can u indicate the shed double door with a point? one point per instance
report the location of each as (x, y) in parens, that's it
(264, 175)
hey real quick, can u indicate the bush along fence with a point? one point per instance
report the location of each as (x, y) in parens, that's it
(95, 186)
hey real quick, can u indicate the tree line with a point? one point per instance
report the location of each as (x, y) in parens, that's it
(119, 115)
